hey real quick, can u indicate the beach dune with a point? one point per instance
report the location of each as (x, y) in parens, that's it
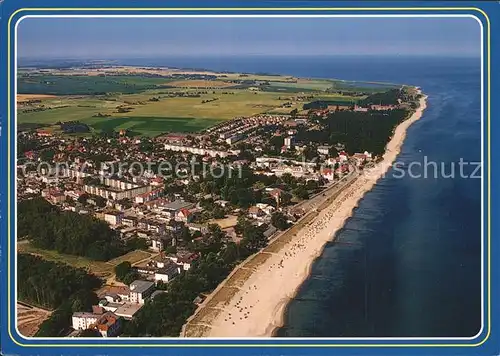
(251, 302)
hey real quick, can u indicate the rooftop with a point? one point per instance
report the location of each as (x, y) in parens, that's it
(128, 310)
(177, 205)
(139, 286)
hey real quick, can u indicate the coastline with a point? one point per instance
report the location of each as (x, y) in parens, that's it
(252, 301)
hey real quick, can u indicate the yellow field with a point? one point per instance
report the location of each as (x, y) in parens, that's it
(230, 221)
(27, 97)
(132, 257)
(99, 268)
(200, 84)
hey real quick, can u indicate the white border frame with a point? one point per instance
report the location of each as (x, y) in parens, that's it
(273, 16)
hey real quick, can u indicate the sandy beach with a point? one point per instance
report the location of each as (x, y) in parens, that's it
(252, 300)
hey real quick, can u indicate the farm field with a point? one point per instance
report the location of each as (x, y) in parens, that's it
(101, 269)
(132, 257)
(154, 101)
(29, 318)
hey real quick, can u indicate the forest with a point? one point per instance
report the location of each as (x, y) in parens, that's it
(358, 131)
(48, 284)
(55, 286)
(67, 232)
(361, 132)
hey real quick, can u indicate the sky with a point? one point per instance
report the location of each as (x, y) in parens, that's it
(116, 38)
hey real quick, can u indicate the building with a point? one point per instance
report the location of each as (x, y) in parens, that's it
(289, 141)
(108, 325)
(83, 321)
(328, 174)
(113, 217)
(184, 215)
(117, 189)
(57, 198)
(167, 273)
(174, 207)
(324, 150)
(255, 212)
(199, 151)
(130, 221)
(140, 290)
(148, 196)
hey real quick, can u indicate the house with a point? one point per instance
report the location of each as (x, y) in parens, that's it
(343, 157)
(381, 107)
(130, 221)
(360, 158)
(254, 212)
(184, 215)
(328, 174)
(266, 208)
(140, 290)
(183, 259)
(57, 198)
(197, 227)
(108, 325)
(174, 207)
(158, 243)
(360, 109)
(156, 226)
(276, 193)
(324, 150)
(83, 321)
(113, 217)
(123, 292)
(167, 273)
(148, 196)
(222, 203)
(342, 169)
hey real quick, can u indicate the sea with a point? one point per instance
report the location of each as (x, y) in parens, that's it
(408, 262)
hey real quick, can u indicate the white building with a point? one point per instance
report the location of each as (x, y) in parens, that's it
(140, 291)
(167, 273)
(324, 150)
(113, 218)
(82, 321)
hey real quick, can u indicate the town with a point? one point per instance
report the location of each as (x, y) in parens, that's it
(190, 205)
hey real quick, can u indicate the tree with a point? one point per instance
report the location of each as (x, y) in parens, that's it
(279, 221)
(186, 234)
(82, 199)
(68, 232)
(218, 212)
(253, 238)
(301, 192)
(100, 201)
(230, 253)
(122, 269)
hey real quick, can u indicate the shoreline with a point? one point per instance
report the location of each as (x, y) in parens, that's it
(253, 300)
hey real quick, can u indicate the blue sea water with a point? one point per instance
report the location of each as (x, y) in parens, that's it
(408, 262)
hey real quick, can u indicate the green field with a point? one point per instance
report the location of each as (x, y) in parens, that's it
(147, 105)
(101, 269)
(151, 126)
(84, 85)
